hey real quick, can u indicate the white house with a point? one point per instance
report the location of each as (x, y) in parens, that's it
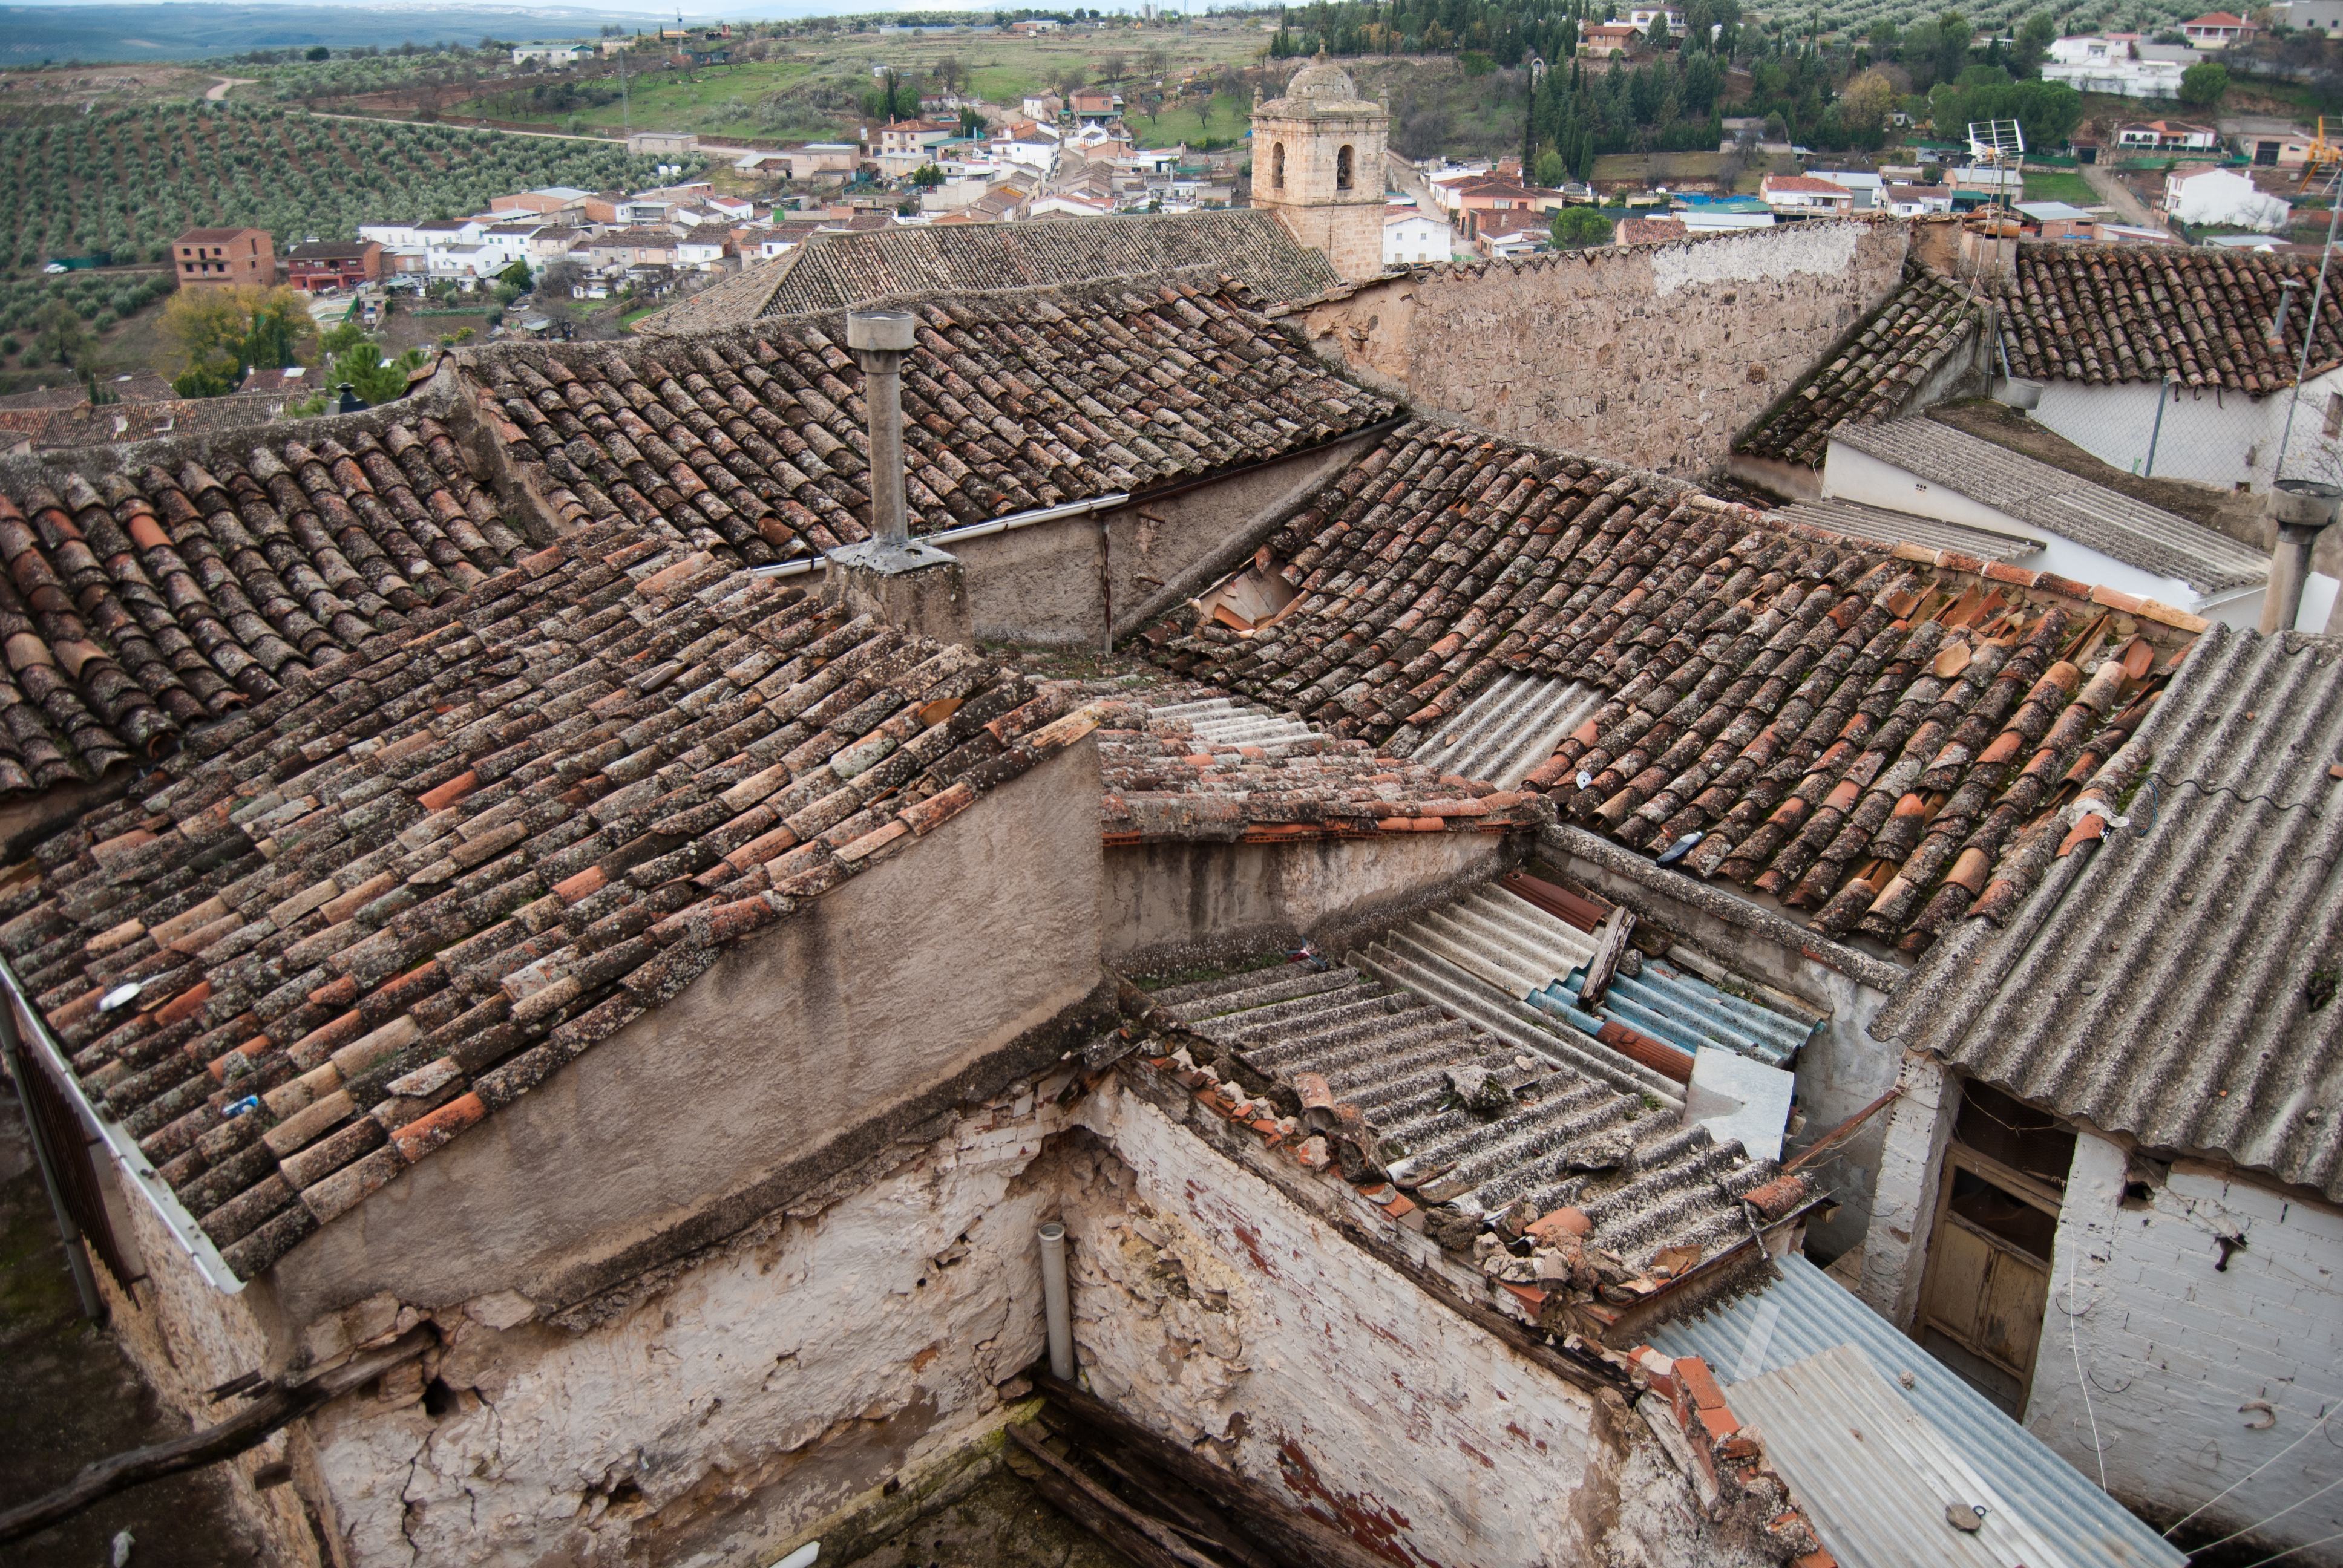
(1911, 201)
(550, 54)
(505, 243)
(1804, 195)
(1411, 236)
(1640, 19)
(1870, 189)
(2090, 534)
(2225, 196)
(2168, 135)
(2309, 15)
(392, 236)
(2108, 65)
(2217, 30)
(466, 261)
(703, 249)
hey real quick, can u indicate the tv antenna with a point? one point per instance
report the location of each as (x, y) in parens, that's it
(1998, 144)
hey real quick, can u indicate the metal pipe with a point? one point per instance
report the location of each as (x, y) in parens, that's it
(93, 1305)
(1055, 1309)
(2156, 431)
(879, 339)
(128, 1157)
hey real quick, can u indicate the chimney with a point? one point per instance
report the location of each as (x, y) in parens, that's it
(879, 339)
(2301, 508)
(905, 582)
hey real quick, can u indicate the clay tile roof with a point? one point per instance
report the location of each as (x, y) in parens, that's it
(1855, 731)
(191, 582)
(833, 271)
(1649, 230)
(373, 909)
(1873, 373)
(752, 442)
(1169, 776)
(2169, 972)
(2112, 313)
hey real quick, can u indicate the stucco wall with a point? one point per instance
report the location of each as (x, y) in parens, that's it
(1214, 1307)
(1653, 356)
(1916, 1128)
(2198, 1374)
(1183, 903)
(885, 985)
(1045, 584)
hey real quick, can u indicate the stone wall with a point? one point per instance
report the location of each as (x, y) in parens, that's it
(1654, 356)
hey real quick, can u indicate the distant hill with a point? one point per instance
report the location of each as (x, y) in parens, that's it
(38, 34)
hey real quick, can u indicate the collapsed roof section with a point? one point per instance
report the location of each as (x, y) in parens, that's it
(143, 601)
(754, 443)
(1851, 730)
(360, 918)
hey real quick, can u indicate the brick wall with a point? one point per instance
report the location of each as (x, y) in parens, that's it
(2197, 1374)
(1654, 355)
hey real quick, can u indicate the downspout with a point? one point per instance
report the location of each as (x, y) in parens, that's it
(128, 1157)
(1055, 1309)
(93, 1306)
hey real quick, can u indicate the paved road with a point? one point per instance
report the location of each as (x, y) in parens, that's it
(2118, 195)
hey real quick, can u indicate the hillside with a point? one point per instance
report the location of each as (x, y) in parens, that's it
(129, 181)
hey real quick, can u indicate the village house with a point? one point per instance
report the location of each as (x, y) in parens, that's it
(2111, 65)
(2214, 195)
(316, 265)
(205, 256)
(905, 146)
(2165, 135)
(1415, 237)
(2217, 30)
(1800, 195)
(1608, 38)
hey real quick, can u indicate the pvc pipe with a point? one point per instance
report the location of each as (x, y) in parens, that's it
(804, 1556)
(1054, 1306)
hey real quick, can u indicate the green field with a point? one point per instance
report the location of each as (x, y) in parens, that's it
(1223, 119)
(714, 100)
(2072, 189)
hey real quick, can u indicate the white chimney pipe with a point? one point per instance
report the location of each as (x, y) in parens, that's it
(1055, 1308)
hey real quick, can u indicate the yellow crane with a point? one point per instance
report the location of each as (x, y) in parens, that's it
(2320, 162)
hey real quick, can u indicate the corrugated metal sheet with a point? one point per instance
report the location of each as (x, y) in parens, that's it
(2177, 985)
(1805, 1312)
(2066, 506)
(1876, 1480)
(1509, 728)
(1880, 526)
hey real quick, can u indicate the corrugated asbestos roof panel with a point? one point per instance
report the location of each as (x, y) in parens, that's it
(1877, 1480)
(1805, 1312)
(2176, 984)
(1854, 520)
(2133, 532)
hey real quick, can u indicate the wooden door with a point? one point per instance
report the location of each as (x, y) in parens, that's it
(1988, 1275)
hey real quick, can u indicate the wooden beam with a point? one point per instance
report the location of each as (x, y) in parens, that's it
(248, 1427)
(1610, 942)
(1158, 1544)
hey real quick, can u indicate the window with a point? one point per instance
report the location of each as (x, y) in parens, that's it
(1277, 167)
(1343, 170)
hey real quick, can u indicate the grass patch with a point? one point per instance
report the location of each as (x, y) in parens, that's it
(1223, 119)
(626, 322)
(2072, 189)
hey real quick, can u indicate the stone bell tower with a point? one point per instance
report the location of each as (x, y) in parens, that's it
(1318, 165)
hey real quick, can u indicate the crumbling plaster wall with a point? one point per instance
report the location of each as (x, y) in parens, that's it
(1192, 901)
(793, 1369)
(1914, 1132)
(694, 1118)
(2205, 1367)
(1654, 356)
(1212, 1307)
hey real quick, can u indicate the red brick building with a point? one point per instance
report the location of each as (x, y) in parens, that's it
(209, 256)
(333, 263)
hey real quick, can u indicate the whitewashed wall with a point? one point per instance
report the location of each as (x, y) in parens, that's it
(2199, 1379)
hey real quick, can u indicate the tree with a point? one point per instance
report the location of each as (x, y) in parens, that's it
(558, 279)
(2203, 83)
(1152, 61)
(1658, 31)
(951, 73)
(926, 177)
(1577, 228)
(517, 275)
(221, 333)
(1953, 36)
(1113, 66)
(1868, 101)
(1551, 170)
(374, 378)
(2034, 40)
(60, 338)
(320, 53)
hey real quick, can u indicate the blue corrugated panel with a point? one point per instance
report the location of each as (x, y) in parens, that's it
(1806, 1311)
(1688, 1012)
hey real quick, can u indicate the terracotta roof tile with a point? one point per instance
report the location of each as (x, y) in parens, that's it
(752, 442)
(1873, 375)
(1842, 724)
(149, 600)
(404, 888)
